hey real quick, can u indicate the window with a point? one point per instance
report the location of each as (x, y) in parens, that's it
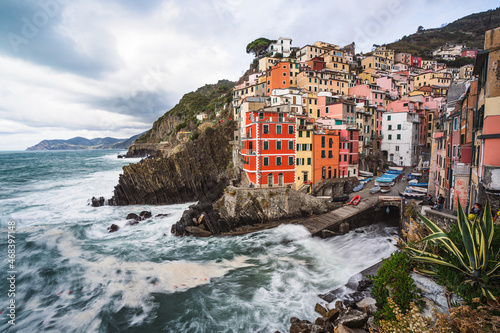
(278, 129)
(308, 134)
(399, 126)
(278, 160)
(265, 145)
(308, 161)
(266, 161)
(300, 134)
(304, 147)
(388, 117)
(261, 115)
(389, 137)
(323, 154)
(322, 142)
(399, 137)
(330, 143)
(290, 145)
(390, 128)
(290, 129)
(326, 110)
(266, 129)
(278, 145)
(397, 148)
(290, 160)
(330, 154)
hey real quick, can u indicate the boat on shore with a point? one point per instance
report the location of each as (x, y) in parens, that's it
(355, 201)
(412, 195)
(375, 189)
(343, 198)
(385, 189)
(418, 189)
(397, 168)
(365, 173)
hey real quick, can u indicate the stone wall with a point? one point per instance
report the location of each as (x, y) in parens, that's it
(442, 220)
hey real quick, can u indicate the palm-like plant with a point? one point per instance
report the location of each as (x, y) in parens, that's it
(475, 263)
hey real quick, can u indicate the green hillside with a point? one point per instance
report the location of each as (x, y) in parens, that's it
(468, 30)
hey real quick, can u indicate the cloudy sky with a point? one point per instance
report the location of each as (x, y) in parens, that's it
(111, 67)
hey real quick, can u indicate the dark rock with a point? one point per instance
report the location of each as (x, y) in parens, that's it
(95, 202)
(352, 319)
(162, 215)
(359, 231)
(344, 329)
(367, 305)
(364, 284)
(332, 315)
(145, 214)
(113, 228)
(344, 228)
(320, 309)
(327, 234)
(133, 216)
(339, 306)
(198, 232)
(132, 222)
(304, 326)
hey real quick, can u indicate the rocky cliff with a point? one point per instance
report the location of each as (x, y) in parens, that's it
(240, 207)
(198, 171)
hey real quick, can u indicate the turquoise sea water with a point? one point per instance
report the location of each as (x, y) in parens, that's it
(73, 276)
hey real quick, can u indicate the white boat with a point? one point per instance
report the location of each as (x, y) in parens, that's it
(418, 189)
(375, 189)
(398, 168)
(365, 173)
(385, 189)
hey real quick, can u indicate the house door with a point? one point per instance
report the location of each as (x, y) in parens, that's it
(305, 177)
(329, 172)
(270, 180)
(280, 179)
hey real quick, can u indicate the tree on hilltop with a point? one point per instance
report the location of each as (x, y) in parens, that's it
(259, 46)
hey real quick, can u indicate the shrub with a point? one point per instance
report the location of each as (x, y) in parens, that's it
(468, 253)
(393, 280)
(408, 321)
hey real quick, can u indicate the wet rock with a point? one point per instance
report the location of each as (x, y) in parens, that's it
(304, 326)
(133, 216)
(198, 232)
(368, 305)
(352, 319)
(359, 231)
(162, 215)
(145, 214)
(320, 309)
(200, 219)
(97, 202)
(113, 228)
(332, 315)
(344, 329)
(327, 234)
(339, 306)
(364, 284)
(132, 222)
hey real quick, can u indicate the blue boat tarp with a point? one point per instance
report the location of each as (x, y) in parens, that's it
(394, 172)
(384, 180)
(389, 176)
(420, 184)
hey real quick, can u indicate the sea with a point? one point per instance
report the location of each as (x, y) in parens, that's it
(62, 271)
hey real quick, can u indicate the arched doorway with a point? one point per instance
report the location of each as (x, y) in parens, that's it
(270, 180)
(280, 179)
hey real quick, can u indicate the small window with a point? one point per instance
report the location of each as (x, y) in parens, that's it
(290, 129)
(300, 134)
(390, 128)
(309, 161)
(399, 136)
(388, 117)
(389, 137)
(399, 126)
(265, 145)
(308, 134)
(278, 160)
(323, 154)
(266, 161)
(261, 115)
(266, 129)
(278, 145)
(278, 129)
(290, 145)
(290, 160)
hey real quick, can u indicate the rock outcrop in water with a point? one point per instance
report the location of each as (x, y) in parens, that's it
(197, 172)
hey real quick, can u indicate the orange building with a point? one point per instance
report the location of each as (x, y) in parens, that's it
(282, 75)
(325, 154)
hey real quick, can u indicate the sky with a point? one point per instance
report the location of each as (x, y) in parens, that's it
(97, 68)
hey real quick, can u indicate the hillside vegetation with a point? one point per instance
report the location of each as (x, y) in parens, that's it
(468, 30)
(207, 99)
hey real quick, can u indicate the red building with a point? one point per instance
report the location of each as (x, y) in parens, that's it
(316, 63)
(471, 53)
(416, 61)
(268, 147)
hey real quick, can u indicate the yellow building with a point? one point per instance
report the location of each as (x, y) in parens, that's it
(336, 62)
(310, 103)
(384, 52)
(304, 153)
(431, 78)
(315, 81)
(367, 78)
(267, 62)
(376, 62)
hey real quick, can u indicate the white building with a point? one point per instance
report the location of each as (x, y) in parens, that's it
(400, 137)
(283, 45)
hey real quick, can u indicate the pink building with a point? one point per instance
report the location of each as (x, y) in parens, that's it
(337, 108)
(388, 85)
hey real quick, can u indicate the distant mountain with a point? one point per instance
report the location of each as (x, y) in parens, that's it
(468, 30)
(79, 143)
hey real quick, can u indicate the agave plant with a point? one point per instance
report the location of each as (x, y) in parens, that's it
(475, 263)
